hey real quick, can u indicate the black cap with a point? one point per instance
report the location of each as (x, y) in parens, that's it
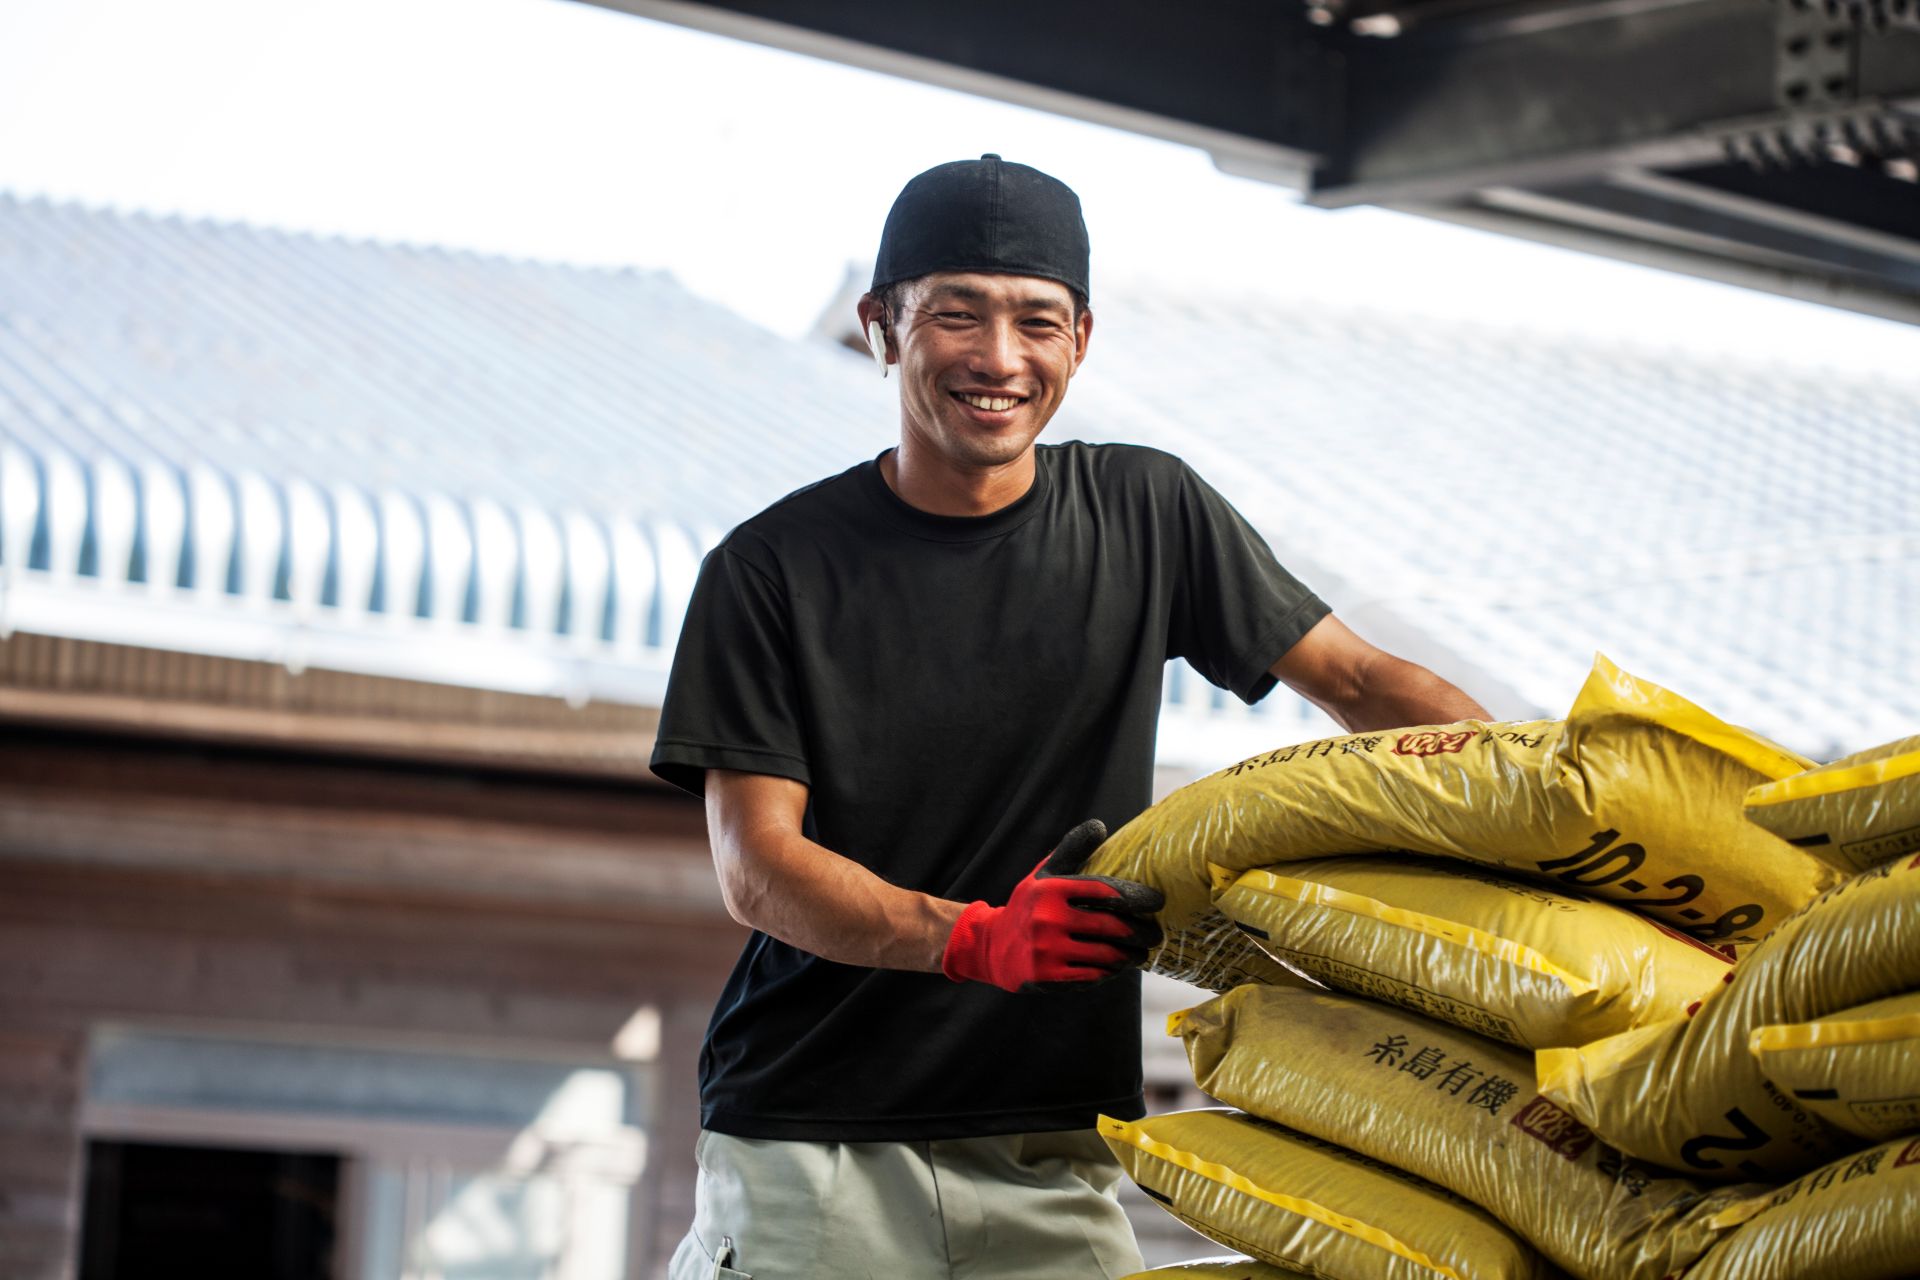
(984, 215)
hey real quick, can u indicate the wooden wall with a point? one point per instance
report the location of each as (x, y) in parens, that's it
(149, 882)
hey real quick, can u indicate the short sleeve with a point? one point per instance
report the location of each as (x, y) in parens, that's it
(1236, 610)
(731, 701)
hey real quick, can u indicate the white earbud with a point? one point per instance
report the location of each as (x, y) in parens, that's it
(877, 343)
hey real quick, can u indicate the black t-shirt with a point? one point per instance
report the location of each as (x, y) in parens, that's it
(956, 692)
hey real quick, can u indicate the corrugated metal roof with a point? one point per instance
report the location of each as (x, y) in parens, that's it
(1746, 535)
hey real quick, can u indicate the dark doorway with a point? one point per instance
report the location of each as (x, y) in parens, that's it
(163, 1212)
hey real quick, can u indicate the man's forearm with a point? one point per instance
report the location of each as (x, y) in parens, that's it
(1394, 692)
(1365, 688)
(810, 897)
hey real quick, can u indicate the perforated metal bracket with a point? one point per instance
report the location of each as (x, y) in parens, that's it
(1816, 56)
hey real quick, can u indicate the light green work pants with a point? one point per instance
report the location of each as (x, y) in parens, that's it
(1032, 1206)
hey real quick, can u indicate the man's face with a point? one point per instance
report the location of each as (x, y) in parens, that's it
(984, 362)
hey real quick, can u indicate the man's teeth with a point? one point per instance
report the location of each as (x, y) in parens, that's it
(995, 404)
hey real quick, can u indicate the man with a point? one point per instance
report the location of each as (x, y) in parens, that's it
(895, 689)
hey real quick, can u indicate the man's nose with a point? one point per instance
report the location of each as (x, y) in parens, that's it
(997, 354)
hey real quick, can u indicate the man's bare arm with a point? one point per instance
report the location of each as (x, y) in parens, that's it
(1363, 687)
(776, 880)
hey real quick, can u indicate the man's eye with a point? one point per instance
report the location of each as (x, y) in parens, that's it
(954, 315)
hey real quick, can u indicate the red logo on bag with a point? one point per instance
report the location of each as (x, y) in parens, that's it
(1911, 1155)
(1547, 1123)
(1431, 743)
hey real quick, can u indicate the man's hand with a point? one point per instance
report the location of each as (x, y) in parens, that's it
(776, 880)
(1059, 928)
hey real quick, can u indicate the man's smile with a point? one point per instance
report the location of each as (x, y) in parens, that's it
(989, 403)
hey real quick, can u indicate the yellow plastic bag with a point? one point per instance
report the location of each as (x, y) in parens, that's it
(1858, 1069)
(1855, 1219)
(1512, 960)
(1216, 1269)
(1862, 809)
(1689, 1094)
(1457, 1110)
(1634, 798)
(1295, 1201)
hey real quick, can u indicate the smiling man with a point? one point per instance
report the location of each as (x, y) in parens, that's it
(895, 689)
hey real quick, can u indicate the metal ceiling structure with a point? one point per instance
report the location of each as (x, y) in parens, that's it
(1768, 143)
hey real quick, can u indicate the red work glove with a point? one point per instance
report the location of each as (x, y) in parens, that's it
(1058, 928)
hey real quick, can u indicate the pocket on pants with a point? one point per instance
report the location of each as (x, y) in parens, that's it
(723, 1260)
(691, 1261)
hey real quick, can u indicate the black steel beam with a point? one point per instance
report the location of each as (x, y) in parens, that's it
(1215, 70)
(1668, 212)
(1630, 244)
(1853, 205)
(1441, 112)
(1693, 134)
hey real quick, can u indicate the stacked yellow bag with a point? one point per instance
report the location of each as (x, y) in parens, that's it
(1634, 798)
(1690, 1094)
(1533, 966)
(1457, 1110)
(1297, 1202)
(1855, 1219)
(1575, 887)
(1858, 1069)
(1859, 811)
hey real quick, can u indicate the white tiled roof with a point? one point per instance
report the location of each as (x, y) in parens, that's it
(1747, 536)
(250, 442)
(403, 461)
(398, 460)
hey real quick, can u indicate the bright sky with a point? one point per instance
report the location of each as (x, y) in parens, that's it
(565, 132)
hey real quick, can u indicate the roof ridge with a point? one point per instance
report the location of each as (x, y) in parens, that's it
(389, 244)
(1456, 330)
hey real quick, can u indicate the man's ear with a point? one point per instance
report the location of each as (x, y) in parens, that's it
(1082, 334)
(876, 327)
